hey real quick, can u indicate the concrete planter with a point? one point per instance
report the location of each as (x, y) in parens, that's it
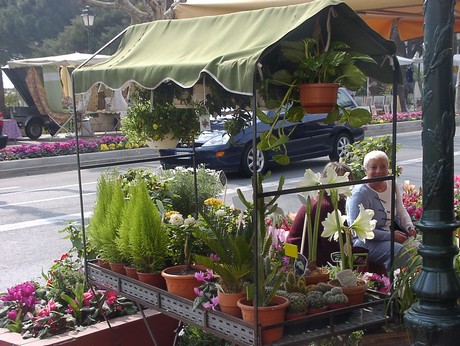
(127, 330)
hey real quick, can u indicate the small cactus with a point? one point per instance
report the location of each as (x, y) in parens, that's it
(323, 287)
(298, 303)
(336, 296)
(295, 283)
(316, 300)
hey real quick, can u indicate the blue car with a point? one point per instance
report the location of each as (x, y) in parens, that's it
(311, 138)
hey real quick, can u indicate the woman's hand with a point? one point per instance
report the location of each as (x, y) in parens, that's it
(400, 237)
(411, 231)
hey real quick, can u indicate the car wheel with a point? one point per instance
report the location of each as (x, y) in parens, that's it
(249, 162)
(34, 129)
(340, 147)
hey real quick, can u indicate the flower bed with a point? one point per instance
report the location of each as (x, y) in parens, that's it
(388, 118)
(29, 151)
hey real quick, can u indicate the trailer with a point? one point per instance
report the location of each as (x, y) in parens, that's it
(45, 86)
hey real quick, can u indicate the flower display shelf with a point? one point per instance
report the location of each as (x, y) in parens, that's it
(297, 332)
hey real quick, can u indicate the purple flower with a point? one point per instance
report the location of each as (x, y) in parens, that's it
(197, 291)
(211, 304)
(214, 257)
(12, 315)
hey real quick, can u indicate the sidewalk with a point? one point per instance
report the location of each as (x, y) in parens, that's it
(9, 169)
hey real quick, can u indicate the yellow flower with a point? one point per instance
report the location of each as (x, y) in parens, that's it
(128, 146)
(363, 226)
(169, 213)
(155, 126)
(120, 145)
(112, 146)
(104, 147)
(213, 202)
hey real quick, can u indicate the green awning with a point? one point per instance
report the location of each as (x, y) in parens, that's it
(228, 47)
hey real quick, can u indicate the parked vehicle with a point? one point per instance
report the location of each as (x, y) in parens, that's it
(310, 138)
(3, 138)
(45, 91)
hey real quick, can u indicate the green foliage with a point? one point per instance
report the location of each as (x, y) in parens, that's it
(75, 235)
(357, 151)
(231, 242)
(154, 121)
(194, 336)
(182, 185)
(103, 200)
(112, 222)
(148, 236)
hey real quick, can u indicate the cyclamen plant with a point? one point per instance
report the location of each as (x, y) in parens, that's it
(207, 291)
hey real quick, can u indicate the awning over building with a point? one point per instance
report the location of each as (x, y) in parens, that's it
(228, 47)
(380, 15)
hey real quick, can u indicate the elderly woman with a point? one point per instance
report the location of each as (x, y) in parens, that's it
(377, 196)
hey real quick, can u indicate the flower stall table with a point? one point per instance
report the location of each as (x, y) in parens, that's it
(297, 332)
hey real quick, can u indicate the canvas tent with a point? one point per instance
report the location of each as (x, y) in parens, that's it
(380, 15)
(228, 48)
(45, 85)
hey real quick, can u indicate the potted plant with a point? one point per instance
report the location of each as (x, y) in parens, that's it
(314, 68)
(148, 236)
(103, 227)
(160, 123)
(270, 308)
(231, 244)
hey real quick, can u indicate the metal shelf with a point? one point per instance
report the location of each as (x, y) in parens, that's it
(297, 332)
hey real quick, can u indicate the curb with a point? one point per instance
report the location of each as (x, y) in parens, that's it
(26, 167)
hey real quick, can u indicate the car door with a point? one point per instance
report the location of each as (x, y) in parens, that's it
(310, 136)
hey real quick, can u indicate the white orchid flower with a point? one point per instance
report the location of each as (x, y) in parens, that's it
(331, 227)
(364, 225)
(310, 178)
(189, 221)
(333, 178)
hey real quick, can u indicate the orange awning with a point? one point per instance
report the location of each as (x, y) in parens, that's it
(378, 14)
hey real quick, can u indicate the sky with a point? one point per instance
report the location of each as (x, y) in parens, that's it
(6, 82)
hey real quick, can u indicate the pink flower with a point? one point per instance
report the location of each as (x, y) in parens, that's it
(111, 298)
(87, 297)
(212, 304)
(12, 315)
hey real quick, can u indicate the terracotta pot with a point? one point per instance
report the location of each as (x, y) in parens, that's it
(118, 268)
(267, 315)
(317, 278)
(131, 272)
(182, 284)
(227, 302)
(154, 279)
(355, 294)
(166, 143)
(318, 98)
(337, 306)
(103, 263)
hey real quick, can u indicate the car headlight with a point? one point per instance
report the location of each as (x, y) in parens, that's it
(217, 140)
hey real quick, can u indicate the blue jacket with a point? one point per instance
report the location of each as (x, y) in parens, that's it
(363, 194)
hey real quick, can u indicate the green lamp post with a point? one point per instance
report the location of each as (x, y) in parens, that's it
(435, 319)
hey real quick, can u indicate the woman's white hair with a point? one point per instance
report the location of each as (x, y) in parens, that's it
(374, 154)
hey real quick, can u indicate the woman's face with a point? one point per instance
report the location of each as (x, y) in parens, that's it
(377, 167)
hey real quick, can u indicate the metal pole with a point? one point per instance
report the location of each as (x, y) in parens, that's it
(435, 319)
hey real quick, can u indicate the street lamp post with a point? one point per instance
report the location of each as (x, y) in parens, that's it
(88, 20)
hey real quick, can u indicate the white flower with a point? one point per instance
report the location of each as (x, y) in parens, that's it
(331, 227)
(189, 221)
(310, 179)
(333, 178)
(220, 213)
(176, 219)
(363, 226)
